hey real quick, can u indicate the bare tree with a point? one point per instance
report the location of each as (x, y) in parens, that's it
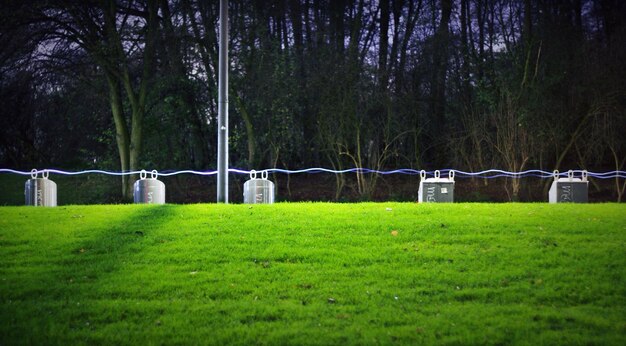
(114, 34)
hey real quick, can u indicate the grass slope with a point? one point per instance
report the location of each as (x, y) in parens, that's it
(314, 273)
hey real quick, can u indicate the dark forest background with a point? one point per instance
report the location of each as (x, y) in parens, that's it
(425, 84)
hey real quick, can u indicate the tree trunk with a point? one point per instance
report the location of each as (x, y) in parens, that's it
(440, 57)
(137, 100)
(249, 131)
(465, 74)
(122, 137)
(190, 112)
(528, 25)
(383, 44)
(412, 16)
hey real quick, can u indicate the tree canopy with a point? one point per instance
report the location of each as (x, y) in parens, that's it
(468, 84)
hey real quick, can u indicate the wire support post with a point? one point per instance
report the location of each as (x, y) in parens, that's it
(40, 191)
(222, 116)
(258, 191)
(149, 190)
(570, 189)
(436, 189)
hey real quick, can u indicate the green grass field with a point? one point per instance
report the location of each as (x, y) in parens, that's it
(314, 273)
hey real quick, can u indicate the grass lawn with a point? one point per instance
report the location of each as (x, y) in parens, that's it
(314, 273)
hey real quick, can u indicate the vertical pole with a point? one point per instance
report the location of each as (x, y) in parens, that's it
(222, 113)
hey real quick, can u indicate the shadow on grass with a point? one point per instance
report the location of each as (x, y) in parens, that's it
(116, 245)
(51, 300)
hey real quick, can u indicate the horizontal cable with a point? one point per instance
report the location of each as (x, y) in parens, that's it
(486, 174)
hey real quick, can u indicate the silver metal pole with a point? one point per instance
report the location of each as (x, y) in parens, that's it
(222, 112)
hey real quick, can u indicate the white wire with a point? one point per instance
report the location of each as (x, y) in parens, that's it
(487, 174)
